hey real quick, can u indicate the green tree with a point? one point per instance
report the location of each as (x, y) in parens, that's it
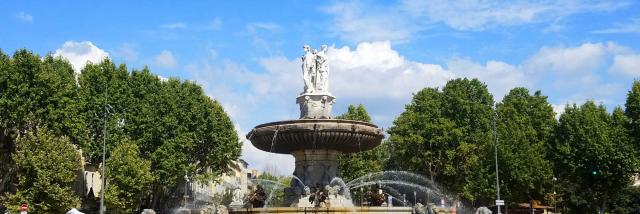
(277, 193)
(632, 111)
(129, 176)
(446, 135)
(357, 113)
(36, 92)
(593, 156)
(175, 125)
(354, 165)
(525, 125)
(626, 201)
(46, 167)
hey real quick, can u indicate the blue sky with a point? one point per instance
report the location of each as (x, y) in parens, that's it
(245, 54)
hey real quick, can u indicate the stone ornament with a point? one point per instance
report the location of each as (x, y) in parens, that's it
(315, 100)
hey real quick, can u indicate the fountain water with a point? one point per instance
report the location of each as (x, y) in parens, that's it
(315, 140)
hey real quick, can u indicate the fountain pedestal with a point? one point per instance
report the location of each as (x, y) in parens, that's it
(316, 167)
(315, 105)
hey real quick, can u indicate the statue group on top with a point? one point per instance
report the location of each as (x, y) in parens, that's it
(315, 70)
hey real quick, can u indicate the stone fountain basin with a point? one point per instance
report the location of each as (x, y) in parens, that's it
(346, 136)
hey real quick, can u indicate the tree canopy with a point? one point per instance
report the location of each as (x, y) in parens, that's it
(593, 155)
(632, 111)
(354, 165)
(130, 176)
(176, 128)
(525, 126)
(46, 168)
(446, 134)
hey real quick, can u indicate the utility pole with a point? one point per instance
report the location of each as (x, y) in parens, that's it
(104, 149)
(555, 208)
(495, 145)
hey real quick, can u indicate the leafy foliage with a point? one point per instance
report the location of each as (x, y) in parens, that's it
(626, 201)
(632, 111)
(358, 164)
(593, 156)
(447, 136)
(173, 123)
(46, 168)
(357, 113)
(36, 92)
(129, 178)
(525, 126)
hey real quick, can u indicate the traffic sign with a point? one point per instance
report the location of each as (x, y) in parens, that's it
(499, 202)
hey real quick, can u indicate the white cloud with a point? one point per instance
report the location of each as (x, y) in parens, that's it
(128, 52)
(255, 26)
(165, 59)
(375, 70)
(355, 21)
(630, 27)
(628, 65)
(500, 77)
(586, 57)
(582, 63)
(79, 53)
(558, 109)
(258, 31)
(214, 24)
(175, 25)
(24, 16)
(163, 79)
(579, 73)
(480, 14)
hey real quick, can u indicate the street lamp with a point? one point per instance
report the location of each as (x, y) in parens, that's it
(104, 148)
(495, 146)
(555, 208)
(361, 196)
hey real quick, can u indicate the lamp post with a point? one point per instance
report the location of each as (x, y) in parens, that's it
(495, 146)
(555, 208)
(104, 148)
(361, 196)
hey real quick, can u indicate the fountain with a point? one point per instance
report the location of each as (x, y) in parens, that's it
(315, 140)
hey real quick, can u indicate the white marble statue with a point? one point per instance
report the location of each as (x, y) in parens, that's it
(308, 69)
(315, 101)
(322, 67)
(315, 70)
(237, 197)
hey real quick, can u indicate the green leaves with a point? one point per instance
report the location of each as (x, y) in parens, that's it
(446, 135)
(178, 128)
(358, 164)
(591, 140)
(36, 92)
(525, 126)
(129, 178)
(46, 168)
(175, 126)
(632, 111)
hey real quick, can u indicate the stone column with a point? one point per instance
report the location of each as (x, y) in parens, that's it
(314, 167)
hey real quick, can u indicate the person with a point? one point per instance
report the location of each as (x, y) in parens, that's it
(308, 69)
(258, 196)
(318, 197)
